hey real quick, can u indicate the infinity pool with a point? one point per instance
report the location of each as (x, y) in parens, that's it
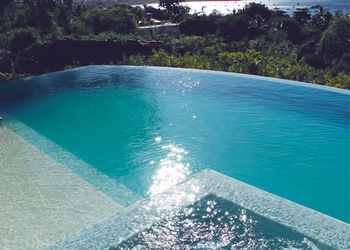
(150, 128)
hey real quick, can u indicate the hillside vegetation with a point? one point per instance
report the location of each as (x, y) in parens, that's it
(254, 40)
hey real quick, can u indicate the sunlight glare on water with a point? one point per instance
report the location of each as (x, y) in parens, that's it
(171, 170)
(214, 223)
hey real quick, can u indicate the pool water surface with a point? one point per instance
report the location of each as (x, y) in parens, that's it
(215, 223)
(210, 210)
(150, 128)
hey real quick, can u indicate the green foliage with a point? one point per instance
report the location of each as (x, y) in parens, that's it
(341, 80)
(302, 16)
(254, 40)
(311, 36)
(192, 44)
(44, 15)
(293, 29)
(5, 61)
(241, 62)
(289, 68)
(174, 10)
(118, 19)
(334, 46)
(234, 27)
(199, 25)
(157, 13)
(79, 29)
(322, 19)
(169, 4)
(19, 39)
(124, 18)
(254, 9)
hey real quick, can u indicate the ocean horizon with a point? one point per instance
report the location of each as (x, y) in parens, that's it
(227, 7)
(289, 6)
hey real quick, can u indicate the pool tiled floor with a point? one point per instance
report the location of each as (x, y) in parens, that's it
(42, 201)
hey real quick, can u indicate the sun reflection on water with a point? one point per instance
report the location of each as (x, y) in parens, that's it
(215, 223)
(172, 169)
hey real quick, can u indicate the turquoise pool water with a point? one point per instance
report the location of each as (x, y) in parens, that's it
(150, 128)
(210, 210)
(215, 223)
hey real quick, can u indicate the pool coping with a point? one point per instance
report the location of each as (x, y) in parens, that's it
(136, 218)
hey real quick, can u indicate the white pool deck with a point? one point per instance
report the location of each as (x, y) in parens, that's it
(42, 201)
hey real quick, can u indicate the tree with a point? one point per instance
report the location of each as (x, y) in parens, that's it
(255, 9)
(169, 4)
(292, 27)
(311, 36)
(124, 19)
(234, 27)
(20, 39)
(258, 26)
(302, 16)
(198, 25)
(334, 45)
(322, 19)
(174, 10)
(118, 19)
(4, 3)
(65, 14)
(157, 13)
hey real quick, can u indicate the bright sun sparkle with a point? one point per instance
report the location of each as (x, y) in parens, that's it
(171, 171)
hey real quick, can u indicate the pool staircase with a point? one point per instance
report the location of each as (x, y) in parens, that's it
(319, 231)
(48, 193)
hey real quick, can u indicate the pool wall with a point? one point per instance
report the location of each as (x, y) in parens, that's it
(136, 218)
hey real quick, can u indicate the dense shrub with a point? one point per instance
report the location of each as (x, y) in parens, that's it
(19, 39)
(199, 25)
(334, 45)
(118, 19)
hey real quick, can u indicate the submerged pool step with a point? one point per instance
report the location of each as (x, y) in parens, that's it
(118, 192)
(314, 227)
(42, 201)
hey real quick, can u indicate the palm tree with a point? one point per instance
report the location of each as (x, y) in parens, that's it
(259, 25)
(322, 19)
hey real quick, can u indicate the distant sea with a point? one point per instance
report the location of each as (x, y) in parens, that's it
(226, 7)
(289, 6)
